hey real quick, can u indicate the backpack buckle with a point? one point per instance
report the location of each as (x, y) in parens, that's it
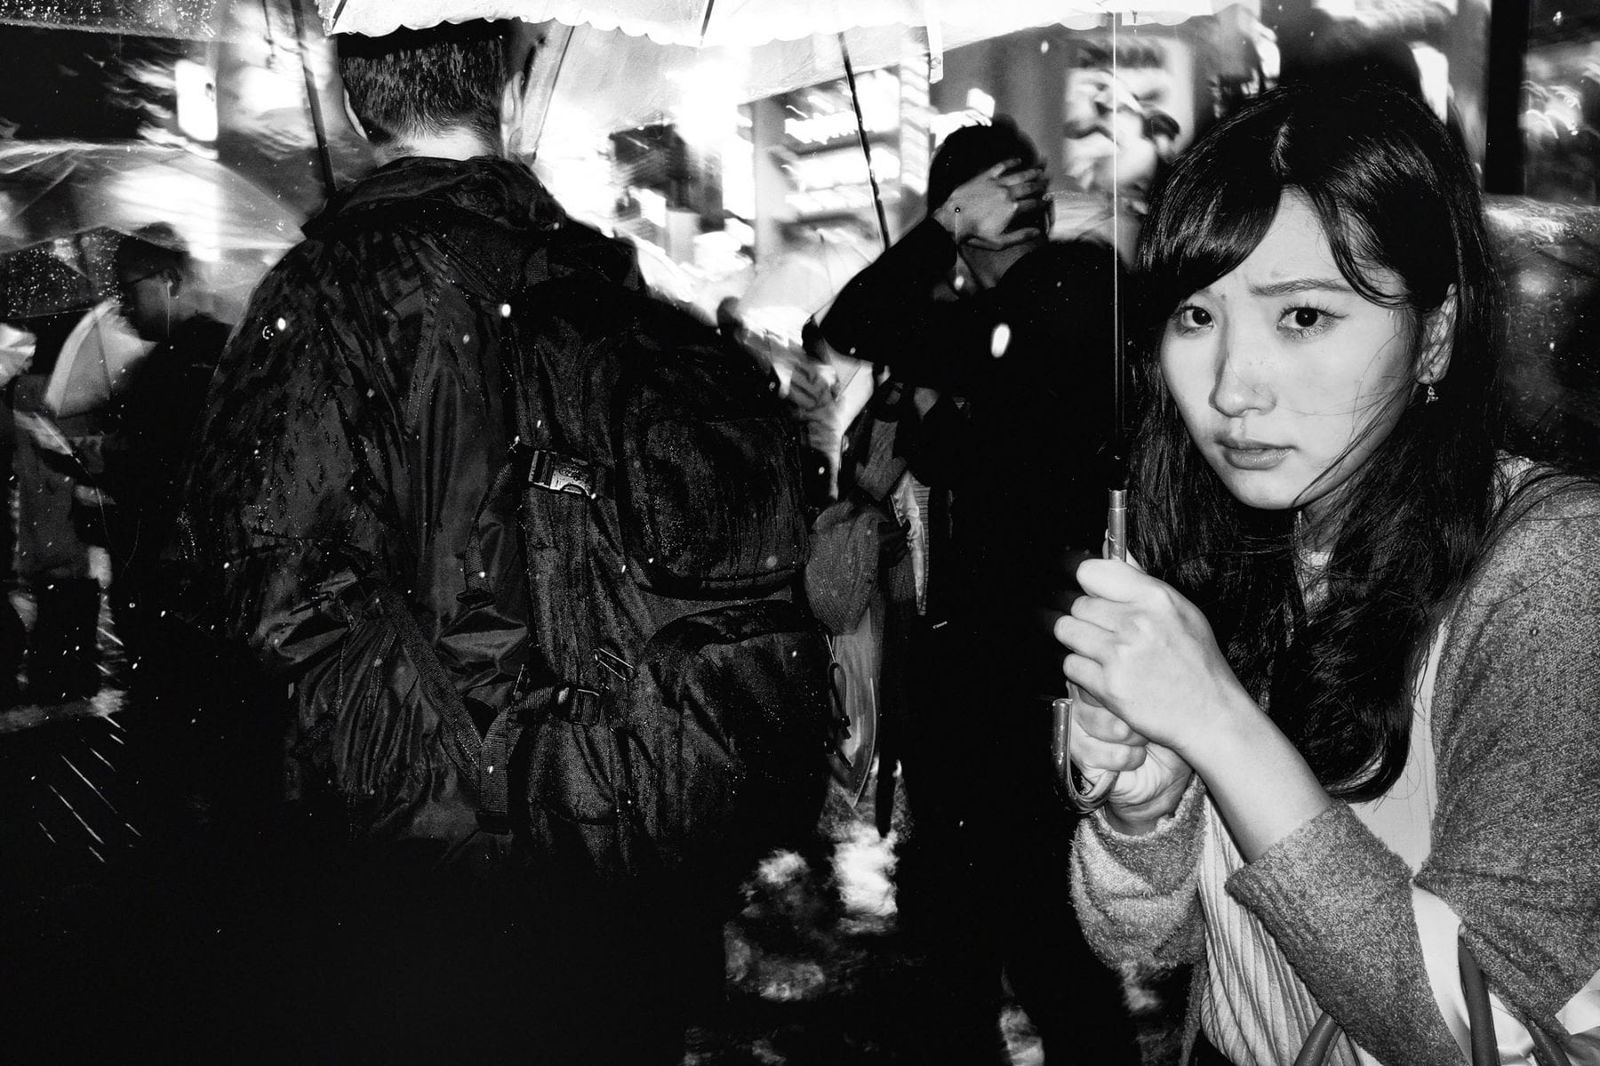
(619, 667)
(563, 473)
(579, 706)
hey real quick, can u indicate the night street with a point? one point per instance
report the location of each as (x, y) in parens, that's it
(818, 971)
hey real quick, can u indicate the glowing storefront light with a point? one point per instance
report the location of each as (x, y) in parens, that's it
(196, 88)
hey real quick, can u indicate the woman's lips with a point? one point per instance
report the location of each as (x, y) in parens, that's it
(1251, 455)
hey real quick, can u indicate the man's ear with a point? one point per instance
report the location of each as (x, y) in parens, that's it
(350, 114)
(513, 111)
(1438, 340)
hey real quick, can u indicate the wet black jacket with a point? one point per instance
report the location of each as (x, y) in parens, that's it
(1024, 453)
(359, 415)
(141, 459)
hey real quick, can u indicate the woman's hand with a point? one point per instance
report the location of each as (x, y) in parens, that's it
(1147, 655)
(1151, 778)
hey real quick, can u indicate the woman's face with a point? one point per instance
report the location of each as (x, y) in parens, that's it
(1286, 377)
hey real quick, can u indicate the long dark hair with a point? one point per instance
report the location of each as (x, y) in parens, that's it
(1392, 191)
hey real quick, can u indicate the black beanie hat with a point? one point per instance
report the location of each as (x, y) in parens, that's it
(971, 150)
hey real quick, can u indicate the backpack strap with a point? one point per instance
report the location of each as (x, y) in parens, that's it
(462, 734)
(482, 760)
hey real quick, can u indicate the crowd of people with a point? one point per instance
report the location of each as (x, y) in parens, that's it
(523, 582)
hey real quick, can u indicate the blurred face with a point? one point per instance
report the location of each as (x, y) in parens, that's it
(146, 303)
(1286, 377)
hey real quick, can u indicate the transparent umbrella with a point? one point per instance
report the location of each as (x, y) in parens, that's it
(63, 199)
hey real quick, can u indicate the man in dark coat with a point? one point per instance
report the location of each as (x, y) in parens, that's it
(1005, 341)
(133, 471)
(359, 418)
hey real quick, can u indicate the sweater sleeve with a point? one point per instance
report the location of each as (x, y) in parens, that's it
(1136, 896)
(1514, 839)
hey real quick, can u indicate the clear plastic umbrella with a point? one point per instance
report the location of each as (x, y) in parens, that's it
(739, 23)
(66, 202)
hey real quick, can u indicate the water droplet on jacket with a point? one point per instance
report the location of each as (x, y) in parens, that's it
(505, 310)
(282, 324)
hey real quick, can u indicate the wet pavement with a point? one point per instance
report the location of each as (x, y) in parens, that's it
(819, 971)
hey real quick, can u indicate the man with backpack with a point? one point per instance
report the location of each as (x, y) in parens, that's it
(459, 485)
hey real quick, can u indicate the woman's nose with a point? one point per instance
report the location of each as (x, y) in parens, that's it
(1241, 381)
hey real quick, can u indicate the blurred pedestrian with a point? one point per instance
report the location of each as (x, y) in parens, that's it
(62, 662)
(131, 472)
(1002, 342)
(16, 353)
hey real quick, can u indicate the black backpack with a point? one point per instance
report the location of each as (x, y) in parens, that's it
(683, 722)
(677, 717)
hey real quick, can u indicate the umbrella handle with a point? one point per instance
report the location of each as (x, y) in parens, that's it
(1092, 799)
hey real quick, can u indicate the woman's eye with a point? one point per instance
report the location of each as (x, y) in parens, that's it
(1192, 318)
(1307, 319)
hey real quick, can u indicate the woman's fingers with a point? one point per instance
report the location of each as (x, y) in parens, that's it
(1113, 579)
(1093, 754)
(1099, 723)
(1101, 614)
(1084, 672)
(1082, 635)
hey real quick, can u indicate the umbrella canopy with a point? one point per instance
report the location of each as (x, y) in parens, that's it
(800, 283)
(55, 276)
(199, 20)
(94, 362)
(62, 204)
(742, 23)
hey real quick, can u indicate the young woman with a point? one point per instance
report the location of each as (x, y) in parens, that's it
(1354, 704)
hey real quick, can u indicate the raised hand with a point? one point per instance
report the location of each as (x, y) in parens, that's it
(981, 210)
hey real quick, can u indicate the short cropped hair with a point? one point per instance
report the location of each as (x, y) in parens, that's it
(970, 150)
(426, 81)
(153, 249)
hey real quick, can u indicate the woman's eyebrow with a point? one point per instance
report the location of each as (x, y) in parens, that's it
(1294, 285)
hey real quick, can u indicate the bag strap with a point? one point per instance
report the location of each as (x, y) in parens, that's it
(1485, 1049)
(482, 760)
(876, 432)
(459, 728)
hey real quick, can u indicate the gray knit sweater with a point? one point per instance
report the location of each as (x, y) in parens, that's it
(1515, 839)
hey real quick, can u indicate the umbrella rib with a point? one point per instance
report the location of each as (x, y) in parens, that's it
(705, 19)
(337, 11)
(866, 145)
